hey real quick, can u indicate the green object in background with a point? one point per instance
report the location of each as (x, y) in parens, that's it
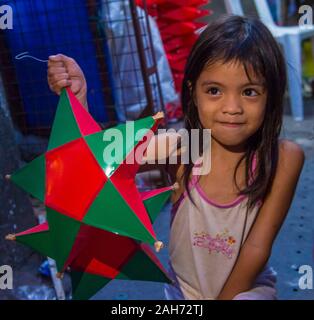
(308, 59)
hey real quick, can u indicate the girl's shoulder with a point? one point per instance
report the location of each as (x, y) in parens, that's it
(290, 153)
(290, 162)
(290, 145)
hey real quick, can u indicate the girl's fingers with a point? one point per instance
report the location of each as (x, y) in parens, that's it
(56, 70)
(57, 57)
(62, 72)
(58, 86)
(76, 87)
(55, 63)
(61, 60)
(58, 77)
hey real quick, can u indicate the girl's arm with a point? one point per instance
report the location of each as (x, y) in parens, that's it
(257, 248)
(162, 153)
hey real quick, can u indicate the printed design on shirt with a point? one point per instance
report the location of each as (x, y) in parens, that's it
(221, 243)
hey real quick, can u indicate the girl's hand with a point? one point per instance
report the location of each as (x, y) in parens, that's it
(64, 72)
(161, 146)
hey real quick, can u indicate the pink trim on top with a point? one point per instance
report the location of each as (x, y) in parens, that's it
(227, 205)
(175, 206)
(194, 182)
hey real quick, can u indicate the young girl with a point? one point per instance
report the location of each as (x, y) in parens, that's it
(224, 223)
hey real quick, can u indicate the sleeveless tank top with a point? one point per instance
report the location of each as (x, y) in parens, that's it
(205, 240)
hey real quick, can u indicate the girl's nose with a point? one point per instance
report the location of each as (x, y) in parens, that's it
(232, 105)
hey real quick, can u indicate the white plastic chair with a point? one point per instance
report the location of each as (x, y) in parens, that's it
(290, 38)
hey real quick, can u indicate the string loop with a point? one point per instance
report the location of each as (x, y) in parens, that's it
(25, 54)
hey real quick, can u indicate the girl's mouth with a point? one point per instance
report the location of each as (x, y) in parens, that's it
(231, 125)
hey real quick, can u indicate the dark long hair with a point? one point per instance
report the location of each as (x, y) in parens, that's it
(249, 42)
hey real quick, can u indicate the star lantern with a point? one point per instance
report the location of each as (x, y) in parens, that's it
(99, 226)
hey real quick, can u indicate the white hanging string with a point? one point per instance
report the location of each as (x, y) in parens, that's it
(25, 54)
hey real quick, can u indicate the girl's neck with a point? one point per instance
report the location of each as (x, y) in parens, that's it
(226, 155)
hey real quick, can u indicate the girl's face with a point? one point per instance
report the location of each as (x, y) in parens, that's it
(229, 103)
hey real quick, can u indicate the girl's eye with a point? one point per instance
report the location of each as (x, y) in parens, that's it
(250, 93)
(213, 91)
